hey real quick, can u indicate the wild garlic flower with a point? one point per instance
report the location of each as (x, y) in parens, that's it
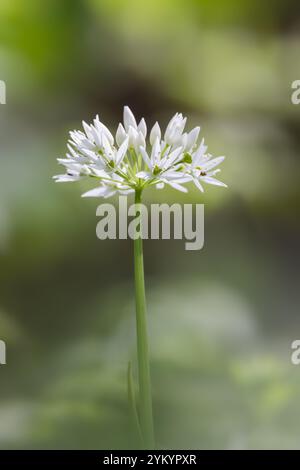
(128, 163)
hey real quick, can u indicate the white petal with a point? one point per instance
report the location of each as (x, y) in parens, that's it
(180, 123)
(99, 164)
(213, 163)
(129, 119)
(90, 154)
(145, 157)
(174, 130)
(155, 133)
(142, 127)
(144, 175)
(198, 185)
(170, 126)
(211, 180)
(125, 191)
(122, 151)
(107, 147)
(66, 161)
(74, 167)
(102, 128)
(72, 151)
(192, 138)
(77, 136)
(199, 153)
(81, 142)
(87, 130)
(177, 186)
(139, 141)
(182, 141)
(66, 178)
(155, 151)
(133, 136)
(109, 193)
(97, 136)
(96, 192)
(177, 176)
(171, 159)
(99, 173)
(120, 134)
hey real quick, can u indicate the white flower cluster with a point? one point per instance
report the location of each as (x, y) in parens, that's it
(126, 163)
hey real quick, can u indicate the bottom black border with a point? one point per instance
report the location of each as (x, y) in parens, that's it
(133, 459)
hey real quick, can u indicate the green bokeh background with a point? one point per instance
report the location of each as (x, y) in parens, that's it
(222, 319)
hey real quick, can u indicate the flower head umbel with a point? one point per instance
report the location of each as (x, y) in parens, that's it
(128, 162)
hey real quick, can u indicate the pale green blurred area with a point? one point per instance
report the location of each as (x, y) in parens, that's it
(222, 319)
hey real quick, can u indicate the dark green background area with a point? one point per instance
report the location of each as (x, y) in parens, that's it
(222, 320)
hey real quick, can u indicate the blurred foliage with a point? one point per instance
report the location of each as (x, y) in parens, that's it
(222, 320)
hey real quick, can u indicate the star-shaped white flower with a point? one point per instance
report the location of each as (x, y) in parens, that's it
(128, 162)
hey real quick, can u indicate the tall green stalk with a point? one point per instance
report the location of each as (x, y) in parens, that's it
(145, 398)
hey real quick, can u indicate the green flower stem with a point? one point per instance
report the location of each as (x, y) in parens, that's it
(145, 399)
